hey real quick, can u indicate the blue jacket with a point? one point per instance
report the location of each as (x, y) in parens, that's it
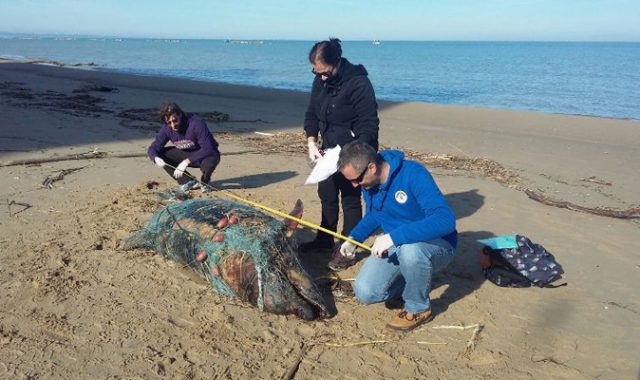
(408, 206)
(195, 138)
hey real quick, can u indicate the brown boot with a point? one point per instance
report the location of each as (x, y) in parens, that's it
(406, 321)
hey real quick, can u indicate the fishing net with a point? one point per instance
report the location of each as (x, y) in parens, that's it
(241, 251)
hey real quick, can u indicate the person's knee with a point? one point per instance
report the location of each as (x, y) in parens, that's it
(411, 255)
(365, 293)
(210, 163)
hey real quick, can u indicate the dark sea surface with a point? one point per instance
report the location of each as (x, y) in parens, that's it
(583, 78)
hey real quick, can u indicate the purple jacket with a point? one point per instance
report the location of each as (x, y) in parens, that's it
(195, 138)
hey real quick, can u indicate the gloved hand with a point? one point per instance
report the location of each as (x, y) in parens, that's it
(348, 249)
(181, 168)
(160, 162)
(314, 152)
(381, 245)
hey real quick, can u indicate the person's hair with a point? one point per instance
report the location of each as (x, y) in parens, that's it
(328, 52)
(169, 108)
(358, 154)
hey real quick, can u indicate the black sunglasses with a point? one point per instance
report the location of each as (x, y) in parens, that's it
(326, 73)
(359, 178)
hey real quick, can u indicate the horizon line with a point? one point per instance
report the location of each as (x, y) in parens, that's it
(85, 36)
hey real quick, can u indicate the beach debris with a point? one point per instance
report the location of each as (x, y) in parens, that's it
(471, 343)
(96, 88)
(75, 104)
(149, 119)
(632, 213)
(295, 143)
(25, 206)
(90, 155)
(291, 372)
(594, 179)
(48, 182)
(252, 260)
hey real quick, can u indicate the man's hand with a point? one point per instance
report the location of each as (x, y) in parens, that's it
(181, 168)
(160, 162)
(348, 249)
(381, 245)
(314, 152)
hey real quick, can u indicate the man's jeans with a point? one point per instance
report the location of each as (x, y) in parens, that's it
(405, 272)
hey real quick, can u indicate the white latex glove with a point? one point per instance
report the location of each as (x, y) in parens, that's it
(348, 249)
(314, 152)
(381, 245)
(181, 168)
(160, 162)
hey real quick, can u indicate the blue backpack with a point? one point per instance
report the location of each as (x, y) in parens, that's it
(520, 266)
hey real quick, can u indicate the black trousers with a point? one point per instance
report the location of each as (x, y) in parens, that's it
(328, 191)
(174, 156)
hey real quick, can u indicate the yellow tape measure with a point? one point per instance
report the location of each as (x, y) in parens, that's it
(278, 213)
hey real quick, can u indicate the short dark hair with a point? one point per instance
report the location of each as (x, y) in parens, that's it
(329, 52)
(169, 108)
(359, 154)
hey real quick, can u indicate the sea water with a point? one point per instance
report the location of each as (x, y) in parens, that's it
(584, 78)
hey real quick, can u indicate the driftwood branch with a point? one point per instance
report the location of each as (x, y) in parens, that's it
(471, 344)
(48, 182)
(70, 157)
(631, 213)
(95, 155)
(25, 206)
(291, 373)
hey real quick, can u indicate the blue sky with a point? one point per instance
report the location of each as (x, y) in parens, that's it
(566, 20)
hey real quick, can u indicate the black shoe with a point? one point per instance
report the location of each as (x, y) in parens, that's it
(339, 262)
(316, 245)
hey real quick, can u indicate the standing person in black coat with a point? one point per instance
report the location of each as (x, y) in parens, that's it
(342, 108)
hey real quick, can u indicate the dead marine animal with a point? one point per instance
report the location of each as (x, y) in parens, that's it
(242, 252)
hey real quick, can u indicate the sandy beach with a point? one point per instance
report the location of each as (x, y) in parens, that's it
(75, 305)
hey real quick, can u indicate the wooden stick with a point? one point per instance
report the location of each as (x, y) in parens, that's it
(355, 343)
(48, 182)
(456, 327)
(25, 206)
(471, 344)
(602, 211)
(291, 373)
(80, 156)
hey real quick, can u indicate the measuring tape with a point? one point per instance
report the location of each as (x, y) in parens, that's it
(277, 212)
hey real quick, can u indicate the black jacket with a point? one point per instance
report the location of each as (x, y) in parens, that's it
(343, 108)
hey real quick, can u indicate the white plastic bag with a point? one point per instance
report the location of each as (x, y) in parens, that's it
(325, 166)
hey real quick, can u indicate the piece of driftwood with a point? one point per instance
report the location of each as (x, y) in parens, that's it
(94, 155)
(594, 179)
(291, 373)
(70, 157)
(48, 182)
(471, 344)
(25, 206)
(631, 213)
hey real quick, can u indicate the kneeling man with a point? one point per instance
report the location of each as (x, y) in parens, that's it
(419, 230)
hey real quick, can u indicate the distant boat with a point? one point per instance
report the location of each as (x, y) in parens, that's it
(244, 42)
(375, 42)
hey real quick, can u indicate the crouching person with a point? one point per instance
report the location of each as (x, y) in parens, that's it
(419, 230)
(193, 146)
